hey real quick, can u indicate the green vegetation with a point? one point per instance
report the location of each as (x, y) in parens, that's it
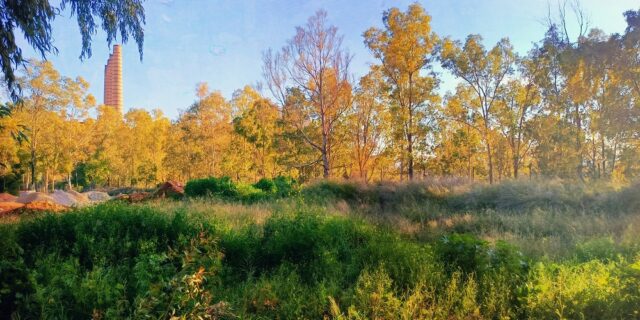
(441, 249)
(225, 188)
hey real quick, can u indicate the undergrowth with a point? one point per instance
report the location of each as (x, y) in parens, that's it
(437, 250)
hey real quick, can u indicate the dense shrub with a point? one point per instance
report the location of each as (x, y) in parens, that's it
(331, 190)
(15, 284)
(11, 183)
(603, 249)
(278, 187)
(286, 186)
(225, 188)
(590, 290)
(267, 185)
(466, 253)
(221, 187)
(249, 193)
(109, 261)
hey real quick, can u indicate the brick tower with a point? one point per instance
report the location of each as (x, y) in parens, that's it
(113, 79)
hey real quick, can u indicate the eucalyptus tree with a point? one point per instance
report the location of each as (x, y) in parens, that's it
(405, 49)
(486, 72)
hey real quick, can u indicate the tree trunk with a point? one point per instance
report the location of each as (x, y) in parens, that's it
(410, 151)
(33, 169)
(604, 156)
(490, 162)
(613, 158)
(578, 143)
(325, 157)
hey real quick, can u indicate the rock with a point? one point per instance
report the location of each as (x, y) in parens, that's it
(169, 189)
(6, 197)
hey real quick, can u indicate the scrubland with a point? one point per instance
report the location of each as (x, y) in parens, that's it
(436, 249)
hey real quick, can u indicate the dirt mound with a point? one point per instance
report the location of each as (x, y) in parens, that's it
(29, 197)
(122, 197)
(80, 197)
(38, 201)
(134, 197)
(65, 199)
(9, 207)
(43, 206)
(6, 197)
(170, 189)
(97, 196)
(139, 196)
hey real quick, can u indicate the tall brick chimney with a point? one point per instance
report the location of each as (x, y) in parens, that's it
(113, 80)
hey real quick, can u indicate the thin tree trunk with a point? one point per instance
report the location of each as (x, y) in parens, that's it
(33, 169)
(579, 143)
(604, 156)
(410, 151)
(325, 157)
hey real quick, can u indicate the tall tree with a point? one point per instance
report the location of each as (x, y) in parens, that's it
(203, 135)
(259, 125)
(42, 83)
(519, 104)
(77, 103)
(368, 123)
(405, 49)
(485, 72)
(314, 62)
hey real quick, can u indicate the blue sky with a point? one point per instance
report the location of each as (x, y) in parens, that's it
(221, 41)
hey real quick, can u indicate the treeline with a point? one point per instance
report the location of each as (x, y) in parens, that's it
(568, 108)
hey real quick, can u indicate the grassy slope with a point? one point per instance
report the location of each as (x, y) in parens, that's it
(435, 250)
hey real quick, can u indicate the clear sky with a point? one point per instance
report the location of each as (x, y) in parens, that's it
(221, 41)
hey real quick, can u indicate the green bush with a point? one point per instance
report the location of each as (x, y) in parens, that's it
(249, 193)
(226, 189)
(279, 187)
(11, 183)
(109, 261)
(466, 253)
(590, 290)
(286, 186)
(330, 190)
(15, 281)
(267, 185)
(221, 187)
(603, 249)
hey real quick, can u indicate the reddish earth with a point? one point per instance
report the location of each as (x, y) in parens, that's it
(6, 197)
(43, 206)
(170, 189)
(139, 196)
(35, 197)
(8, 207)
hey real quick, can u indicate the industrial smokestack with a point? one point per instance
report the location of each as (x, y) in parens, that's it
(113, 80)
